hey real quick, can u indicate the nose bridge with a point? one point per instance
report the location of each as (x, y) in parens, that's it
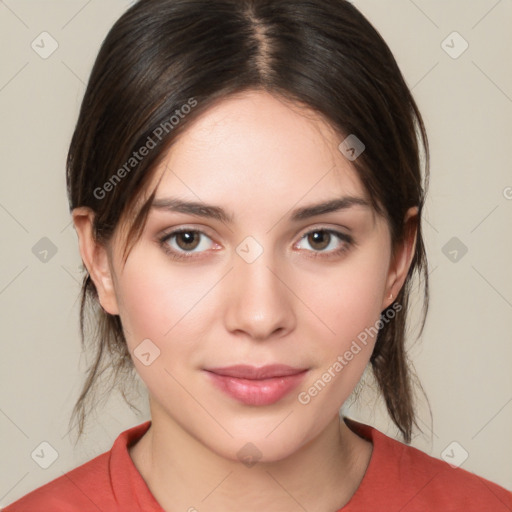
(259, 303)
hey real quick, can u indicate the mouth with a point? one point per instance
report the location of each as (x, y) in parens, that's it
(253, 385)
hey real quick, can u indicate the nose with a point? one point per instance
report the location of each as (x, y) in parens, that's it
(259, 303)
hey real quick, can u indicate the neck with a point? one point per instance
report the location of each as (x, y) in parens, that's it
(184, 474)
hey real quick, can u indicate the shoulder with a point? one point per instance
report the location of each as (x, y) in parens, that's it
(403, 477)
(77, 490)
(430, 481)
(108, 482)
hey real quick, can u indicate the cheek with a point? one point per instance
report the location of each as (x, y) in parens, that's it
(159, 302)
(350, 303)
(348, 299)
(162, 305)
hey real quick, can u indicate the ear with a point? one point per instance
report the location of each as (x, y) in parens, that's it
(96, 259)
(401, 258)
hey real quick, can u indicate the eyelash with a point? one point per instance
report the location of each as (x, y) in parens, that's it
(347, 240)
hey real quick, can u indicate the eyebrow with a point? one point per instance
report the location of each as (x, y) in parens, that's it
(216, 212)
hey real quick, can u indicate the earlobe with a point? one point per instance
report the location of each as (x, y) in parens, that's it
(95, 258)
(402, 258)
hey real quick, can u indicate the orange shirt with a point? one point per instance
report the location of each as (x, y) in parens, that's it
(398, 478)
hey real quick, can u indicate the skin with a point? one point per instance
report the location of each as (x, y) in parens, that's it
(258, 157)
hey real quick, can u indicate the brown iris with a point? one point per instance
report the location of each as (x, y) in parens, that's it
(188, 240)
(319, 239)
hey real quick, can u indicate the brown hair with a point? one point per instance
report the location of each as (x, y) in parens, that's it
(164, 54)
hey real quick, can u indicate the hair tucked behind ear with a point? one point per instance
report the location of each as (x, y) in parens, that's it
(164, 56)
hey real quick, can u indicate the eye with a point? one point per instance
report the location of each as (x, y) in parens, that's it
(326, 241)
(183, 243)
(187, 243)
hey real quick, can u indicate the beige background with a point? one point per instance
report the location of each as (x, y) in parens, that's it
(464, 357)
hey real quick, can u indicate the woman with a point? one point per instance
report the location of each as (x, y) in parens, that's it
(245, 182)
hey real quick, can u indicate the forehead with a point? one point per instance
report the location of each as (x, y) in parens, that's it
(255, 143)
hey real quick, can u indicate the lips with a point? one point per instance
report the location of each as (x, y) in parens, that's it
(242, 371)
(253, 385)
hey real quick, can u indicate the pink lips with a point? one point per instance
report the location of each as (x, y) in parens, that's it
(253, 385)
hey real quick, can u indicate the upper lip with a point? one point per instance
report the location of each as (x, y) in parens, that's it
(243, 371)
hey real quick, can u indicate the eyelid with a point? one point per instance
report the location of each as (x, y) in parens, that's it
(327, 227)
(203, 230)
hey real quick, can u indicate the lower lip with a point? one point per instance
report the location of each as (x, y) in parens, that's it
(257, 392)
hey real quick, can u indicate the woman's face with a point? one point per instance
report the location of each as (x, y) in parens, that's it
(260, 276)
